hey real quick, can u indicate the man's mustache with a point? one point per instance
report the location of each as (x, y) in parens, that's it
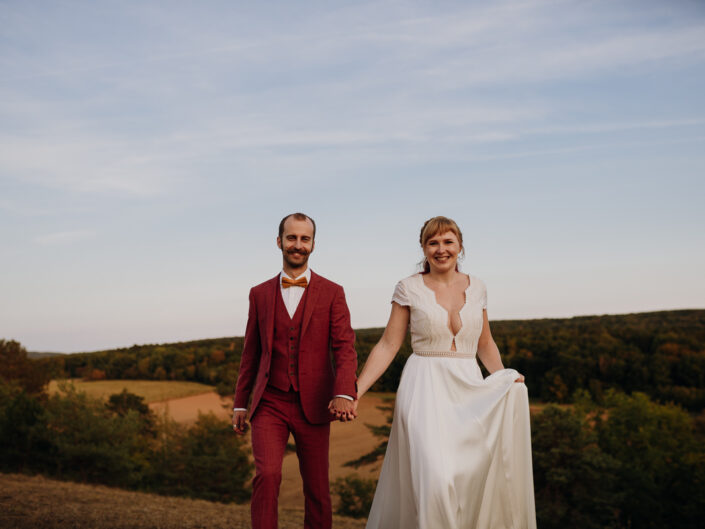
(300, 252)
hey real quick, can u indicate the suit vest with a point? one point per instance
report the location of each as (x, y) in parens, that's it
(284, 367)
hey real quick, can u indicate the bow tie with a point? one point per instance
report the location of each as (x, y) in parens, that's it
(300, 282)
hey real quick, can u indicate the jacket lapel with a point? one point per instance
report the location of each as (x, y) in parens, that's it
(311, 300)
(271, 299)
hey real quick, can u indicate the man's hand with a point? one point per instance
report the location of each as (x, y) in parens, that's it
(343, 409)
(240, 425)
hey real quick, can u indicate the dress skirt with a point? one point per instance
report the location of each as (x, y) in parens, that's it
(459, 452)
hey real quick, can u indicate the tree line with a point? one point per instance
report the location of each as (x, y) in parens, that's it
(661, 354)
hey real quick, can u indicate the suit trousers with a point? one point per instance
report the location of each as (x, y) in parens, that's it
(278, 414)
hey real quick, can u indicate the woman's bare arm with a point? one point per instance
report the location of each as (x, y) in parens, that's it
(487, 349)
(386, 349)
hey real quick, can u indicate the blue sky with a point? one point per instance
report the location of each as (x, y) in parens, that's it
(149, 149)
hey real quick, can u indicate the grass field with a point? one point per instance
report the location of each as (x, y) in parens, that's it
(38, 502)
(151, 390)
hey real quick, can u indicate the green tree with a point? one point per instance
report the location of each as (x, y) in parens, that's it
(662, 463)
(23, 442)
(92, 443)
(206, 461)
(31, 375)
(124, 402)
(575, 482)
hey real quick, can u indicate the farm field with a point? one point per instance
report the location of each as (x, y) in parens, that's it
(35, 501)
(151, 390)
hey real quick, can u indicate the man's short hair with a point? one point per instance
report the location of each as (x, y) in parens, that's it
(297, 216)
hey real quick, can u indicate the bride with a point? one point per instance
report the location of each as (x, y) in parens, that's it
(459, 452)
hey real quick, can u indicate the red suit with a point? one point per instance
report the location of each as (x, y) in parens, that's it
(291, 368)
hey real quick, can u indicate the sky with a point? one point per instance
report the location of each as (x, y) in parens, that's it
(149, 149)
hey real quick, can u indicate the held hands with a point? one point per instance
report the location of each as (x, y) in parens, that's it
(344, 410)
(240, 425)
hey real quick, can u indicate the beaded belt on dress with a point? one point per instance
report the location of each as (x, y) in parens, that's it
(451, 354)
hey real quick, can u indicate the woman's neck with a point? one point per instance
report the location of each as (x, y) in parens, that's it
(445, 278)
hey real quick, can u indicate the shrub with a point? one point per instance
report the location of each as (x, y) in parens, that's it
(206, 461)
(356, 495)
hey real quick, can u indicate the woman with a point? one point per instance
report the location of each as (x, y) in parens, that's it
(459, 453)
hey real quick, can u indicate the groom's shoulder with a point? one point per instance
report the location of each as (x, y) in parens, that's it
(324, 282)
(264, 285)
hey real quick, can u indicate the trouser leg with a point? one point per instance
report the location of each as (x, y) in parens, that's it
(312, 441)
(270, 432)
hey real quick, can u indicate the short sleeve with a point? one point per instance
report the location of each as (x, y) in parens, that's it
(400, 295)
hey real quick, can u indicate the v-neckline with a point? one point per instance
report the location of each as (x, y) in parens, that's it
(460, 310)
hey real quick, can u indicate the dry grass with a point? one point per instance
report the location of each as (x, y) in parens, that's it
(38, 502)
(151, 390)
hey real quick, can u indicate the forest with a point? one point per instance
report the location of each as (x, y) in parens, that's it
(661, 354)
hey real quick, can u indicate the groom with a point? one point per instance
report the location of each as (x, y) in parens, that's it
(297, 322)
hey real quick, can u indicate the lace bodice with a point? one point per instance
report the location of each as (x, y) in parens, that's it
(429, 320)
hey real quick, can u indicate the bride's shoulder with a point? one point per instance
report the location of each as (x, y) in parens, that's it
(476, 282)
(406, 290)
(410, 281)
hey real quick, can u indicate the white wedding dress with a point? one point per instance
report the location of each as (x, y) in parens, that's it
(459, 453)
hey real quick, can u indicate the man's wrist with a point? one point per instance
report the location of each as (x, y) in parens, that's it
(239, 409)
(346, 397)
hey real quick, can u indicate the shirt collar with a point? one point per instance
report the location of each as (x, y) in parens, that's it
(306, 274)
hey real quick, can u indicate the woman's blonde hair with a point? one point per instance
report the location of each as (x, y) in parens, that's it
(433, 227)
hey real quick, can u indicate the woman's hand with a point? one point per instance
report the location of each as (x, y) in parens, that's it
(520, 378)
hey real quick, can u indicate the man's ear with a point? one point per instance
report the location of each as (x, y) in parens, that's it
(313, 245)
(279, 242)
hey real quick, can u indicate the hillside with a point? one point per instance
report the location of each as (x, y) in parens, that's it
(30, 502)
(659, 353)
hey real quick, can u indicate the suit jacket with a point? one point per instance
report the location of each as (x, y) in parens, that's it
(327, 360)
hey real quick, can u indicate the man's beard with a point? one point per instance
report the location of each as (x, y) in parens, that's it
(295, 264)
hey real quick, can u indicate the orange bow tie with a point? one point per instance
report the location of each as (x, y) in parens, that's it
(300, 282)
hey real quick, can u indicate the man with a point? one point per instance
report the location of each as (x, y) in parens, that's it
(296, 321)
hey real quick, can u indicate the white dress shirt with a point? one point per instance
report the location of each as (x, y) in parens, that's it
(292, 297)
